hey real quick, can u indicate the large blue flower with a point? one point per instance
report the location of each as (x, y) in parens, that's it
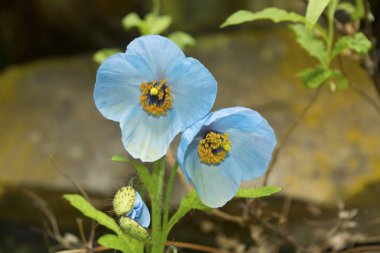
(224, 148)
(155, 92)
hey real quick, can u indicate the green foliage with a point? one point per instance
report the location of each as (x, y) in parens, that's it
(114, 242)
(131, 20)
(103, 54)
(142, 171)
(182, 39)
(339, 81)
(151, 24)
(103, 219)
(358, 43)
(356, 11)
(258, 192)
(274, 14)
(314, 10)
(88, 210)
(311, 43)
(314, 77)
(315, 40)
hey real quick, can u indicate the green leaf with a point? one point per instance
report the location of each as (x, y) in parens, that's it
(356, 11)
(182, 39)
(314, 77)
(341, 82)
(358, 43)
(156, 24)
(131, 20)
(311, 43)
(314, 10)
(360, 10)
(88, 210)
(258, 192)
(103, 219)
(103, 54)
(347, 7)
(142, 171)
(191, 201)
(274, 14)
(114, 242)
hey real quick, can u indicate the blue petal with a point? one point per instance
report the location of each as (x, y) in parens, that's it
(252, 138)
(148, 137)
(215, 184)
(144, 218)
(186, 138)
(159, 52)
(194, 90)
(117, 84)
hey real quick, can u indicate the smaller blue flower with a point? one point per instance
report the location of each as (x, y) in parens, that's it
(140, 212)
(223, 149)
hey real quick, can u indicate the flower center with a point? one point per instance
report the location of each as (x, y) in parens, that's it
(213, 148)
(156, 97)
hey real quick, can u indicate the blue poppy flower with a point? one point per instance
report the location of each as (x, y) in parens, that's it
(140, 212)
(224, 148)
(154, 92)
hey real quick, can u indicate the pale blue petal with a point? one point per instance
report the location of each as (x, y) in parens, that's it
(194, 90)
(252, 138)
(243, 119)
(159, 52)
(144, 217)
(252, 152)
(117, 84)
(215, 184)
(148, 137)
(186, 138)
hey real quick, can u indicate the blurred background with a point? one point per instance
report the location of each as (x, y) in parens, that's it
(50, 129)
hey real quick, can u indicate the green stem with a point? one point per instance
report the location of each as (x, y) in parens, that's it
(169, 189)
(156, 7)
(330, 33)
(158, 177)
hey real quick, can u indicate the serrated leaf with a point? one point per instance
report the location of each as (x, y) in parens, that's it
(131, 20)
(182, 39)
(314, 77)
(102, 54)
(114, 242)
(258, 192)
(274, 14)
(358, 43)
(311, 43)
(314, 10)
(156, 24)
(142, 171)
(90, 211)
(190, 202)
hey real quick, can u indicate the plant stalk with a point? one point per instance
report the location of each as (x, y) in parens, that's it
(156, 197)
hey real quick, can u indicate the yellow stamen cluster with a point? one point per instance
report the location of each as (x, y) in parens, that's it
(162, 94)
(213, 148)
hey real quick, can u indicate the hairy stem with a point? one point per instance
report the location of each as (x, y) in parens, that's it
(158, 177)
(169, 189)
